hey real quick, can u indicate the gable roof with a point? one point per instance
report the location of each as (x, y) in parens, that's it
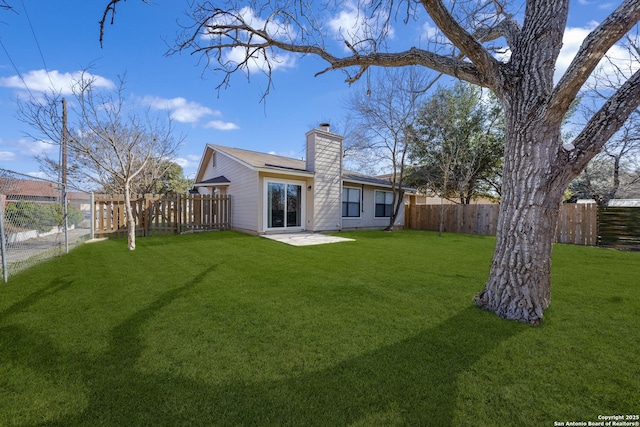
(271, 162)
(257, 160)
(220, 180)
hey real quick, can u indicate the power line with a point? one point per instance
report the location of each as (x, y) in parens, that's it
(38, 45)
(16, 69)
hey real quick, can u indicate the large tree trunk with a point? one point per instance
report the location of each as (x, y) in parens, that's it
(519, 285)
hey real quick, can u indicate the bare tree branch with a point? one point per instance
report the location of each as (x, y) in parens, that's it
(468, 45)
(604, 123)
(593, 49)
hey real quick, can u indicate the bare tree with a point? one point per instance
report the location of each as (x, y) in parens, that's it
(612, 169)
(538, 167)
(108, 144)
(381, 121)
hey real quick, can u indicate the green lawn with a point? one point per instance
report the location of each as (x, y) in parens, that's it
(228, 329)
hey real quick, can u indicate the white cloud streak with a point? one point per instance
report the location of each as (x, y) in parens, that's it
(618, 56)
(53, 81)
(220, 125)
(275, 28)
(7, 155)
(180, 109)
(353, 25)
(572, 40)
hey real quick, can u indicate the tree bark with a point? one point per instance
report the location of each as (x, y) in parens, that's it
(519, 285)
(131, 221)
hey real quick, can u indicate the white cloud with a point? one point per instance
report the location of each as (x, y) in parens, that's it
(190, 161)
(43, 81)
(7, 155)
(353, 24)
(258, 62)
(220, 125)
(41, 175)
(431, 31)
(30, 147)
(291, 154)
(276, 29)
(572, 40)
(180, 109)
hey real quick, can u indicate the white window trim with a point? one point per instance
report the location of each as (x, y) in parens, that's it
(374, 203)
(265, 204)
(361, 202)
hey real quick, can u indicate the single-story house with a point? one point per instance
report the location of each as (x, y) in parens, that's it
(272, 193)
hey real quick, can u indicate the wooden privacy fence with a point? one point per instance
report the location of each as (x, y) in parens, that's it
(619, 227)
(577, 223)
(157, 215)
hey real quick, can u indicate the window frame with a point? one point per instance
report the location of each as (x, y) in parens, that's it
(301, 204)
(350, 202)
(375, 203)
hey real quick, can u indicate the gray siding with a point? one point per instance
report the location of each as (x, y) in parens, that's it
(324, 158)
(367, 211)
(243, 189)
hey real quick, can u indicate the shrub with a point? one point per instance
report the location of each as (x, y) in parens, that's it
(42, 217)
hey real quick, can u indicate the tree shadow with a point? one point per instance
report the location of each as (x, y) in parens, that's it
(411, 382)
(53, 287)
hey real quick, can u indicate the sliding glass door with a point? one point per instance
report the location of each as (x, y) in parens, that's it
(284, 204)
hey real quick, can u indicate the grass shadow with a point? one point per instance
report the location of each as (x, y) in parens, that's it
(53, 287)
(411, 382)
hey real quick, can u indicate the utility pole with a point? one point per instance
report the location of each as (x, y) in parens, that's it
(65, 137)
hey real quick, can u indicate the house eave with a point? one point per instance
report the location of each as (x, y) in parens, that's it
(285, 171)
(209, 184)
(374, 184)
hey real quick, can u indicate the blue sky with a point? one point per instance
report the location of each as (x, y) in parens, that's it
(46, 41)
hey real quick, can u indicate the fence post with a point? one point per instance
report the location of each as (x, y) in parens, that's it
(3, 247)
(92, 217)
(65, 222)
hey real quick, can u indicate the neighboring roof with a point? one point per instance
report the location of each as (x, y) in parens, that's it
(24, 188)
(627, 203)
(29, 188)
(220, 180)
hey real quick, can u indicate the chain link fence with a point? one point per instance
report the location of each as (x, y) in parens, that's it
(39, 219)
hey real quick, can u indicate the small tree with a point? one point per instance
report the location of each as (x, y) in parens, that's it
(160, 176)
(381, 122)
(108, 144)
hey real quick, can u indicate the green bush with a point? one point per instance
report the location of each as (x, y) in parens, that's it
(42, 217)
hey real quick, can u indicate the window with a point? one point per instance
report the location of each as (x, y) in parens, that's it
(351, 202)
(384, 199)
